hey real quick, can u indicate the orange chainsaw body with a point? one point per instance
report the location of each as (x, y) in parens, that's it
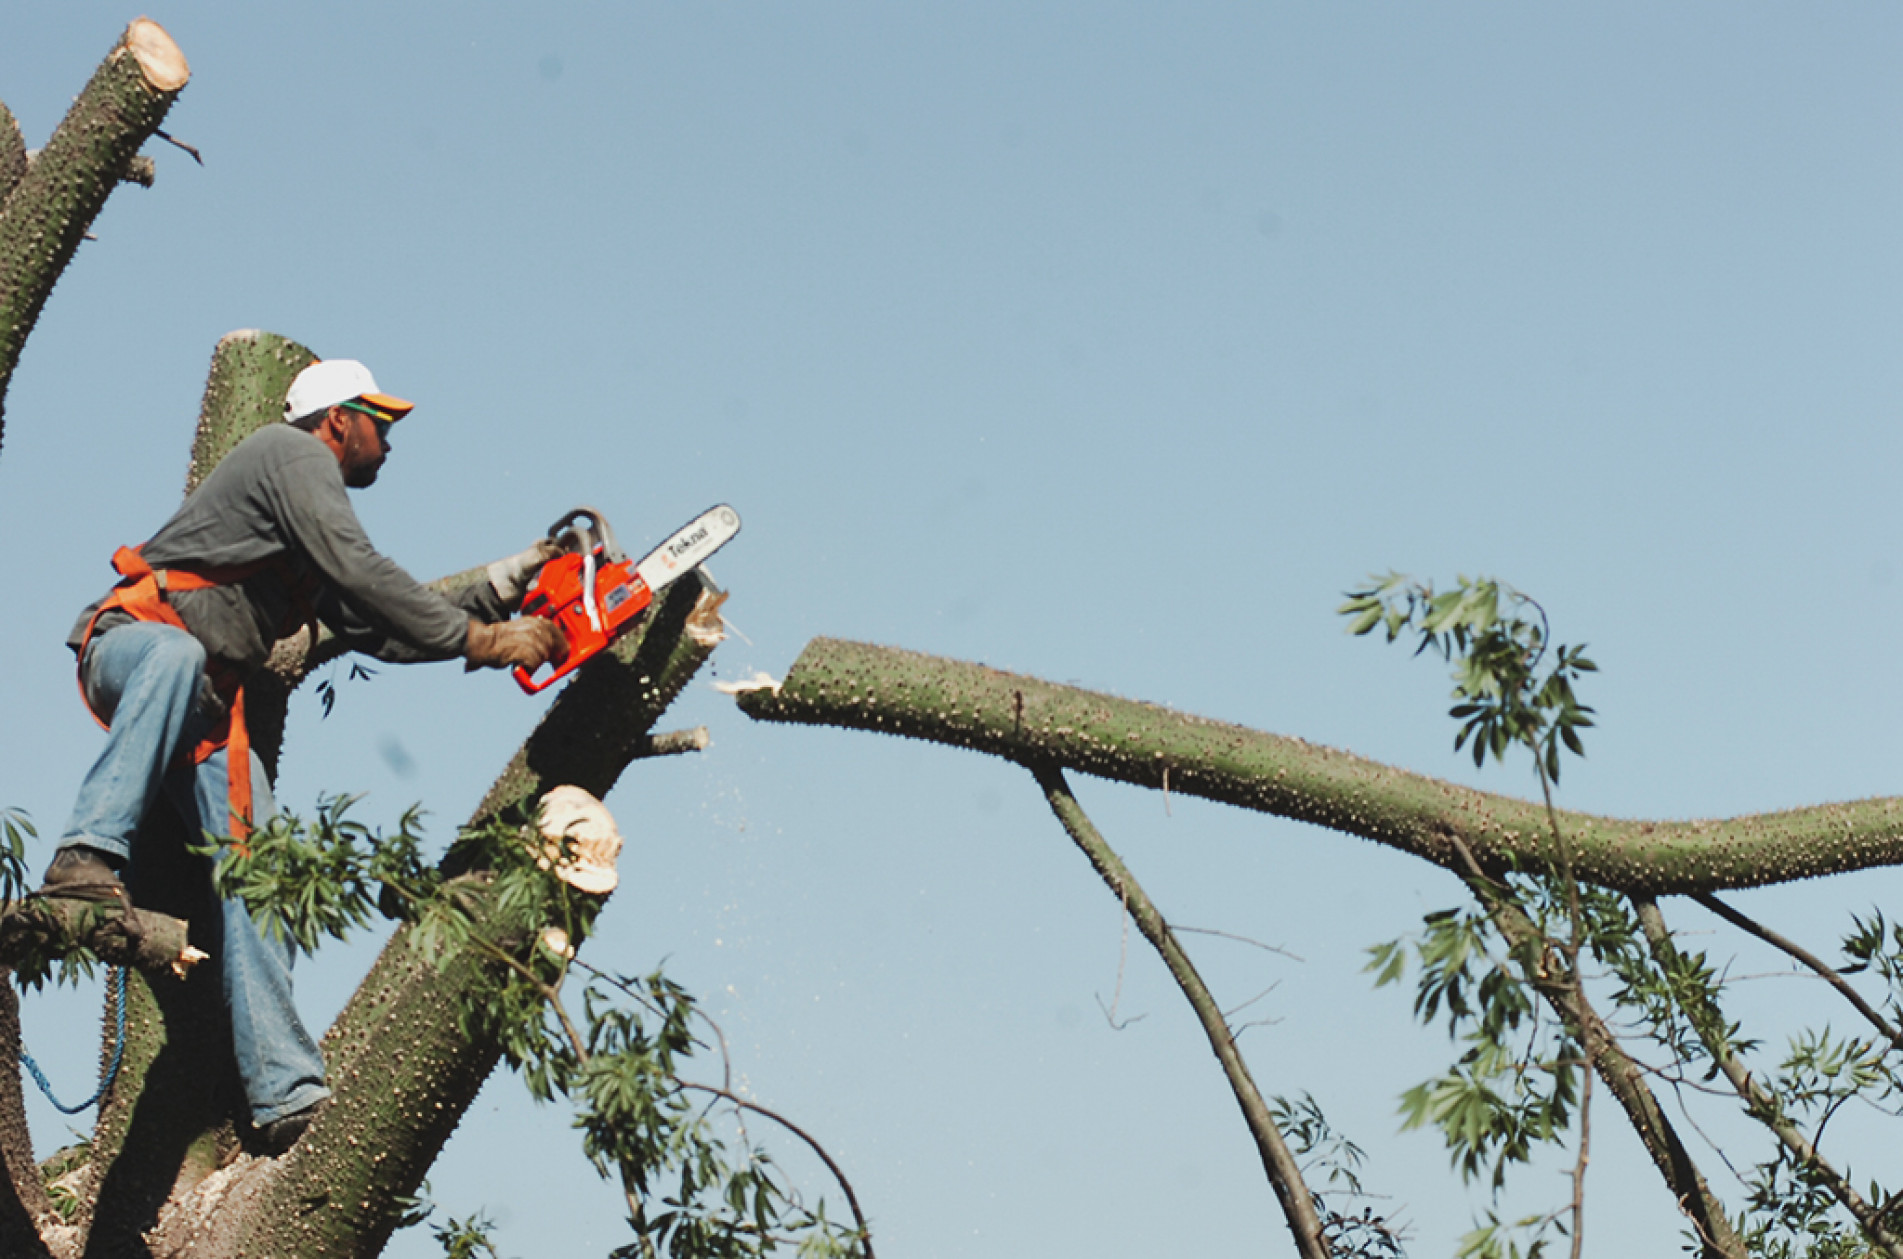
(559, 594)
(594, 592)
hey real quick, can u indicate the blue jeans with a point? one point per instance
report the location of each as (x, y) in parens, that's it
(145, 678)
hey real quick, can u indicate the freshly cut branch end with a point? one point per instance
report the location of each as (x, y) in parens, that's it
(188, 957)
(705, 626)
(678, 742)
(570, 818)
(760, 681)
(159, 58)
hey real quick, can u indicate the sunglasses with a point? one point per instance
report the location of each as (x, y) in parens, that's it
(381, 418)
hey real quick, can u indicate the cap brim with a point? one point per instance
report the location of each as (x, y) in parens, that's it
(397, 407)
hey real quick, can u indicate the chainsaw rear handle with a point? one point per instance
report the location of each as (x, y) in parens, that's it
(526, 681)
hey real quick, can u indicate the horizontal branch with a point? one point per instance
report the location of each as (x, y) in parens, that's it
(1025, 719)
(118, 934)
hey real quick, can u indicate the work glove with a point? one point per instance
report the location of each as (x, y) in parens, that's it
(511, 577)
(529, 642)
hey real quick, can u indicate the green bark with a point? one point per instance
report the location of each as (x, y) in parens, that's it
(59, 194)
(166, 1122)
(12, 153)
(24, 1203)
(402, 1063)
(403, 1060)
(251, 371)
(858, 686)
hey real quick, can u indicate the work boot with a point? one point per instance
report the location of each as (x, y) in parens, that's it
(277, 1137)
(83, 873)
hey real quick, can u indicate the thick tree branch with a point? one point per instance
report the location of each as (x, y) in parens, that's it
(403, 1058)
(25, 1206)
(60, 192)
(119, 934)
(1709, 1022)
(1021, 718)
(1285, 1174)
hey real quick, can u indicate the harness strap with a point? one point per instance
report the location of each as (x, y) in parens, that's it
(142, 596)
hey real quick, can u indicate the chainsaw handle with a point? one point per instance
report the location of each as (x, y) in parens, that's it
(526, 680)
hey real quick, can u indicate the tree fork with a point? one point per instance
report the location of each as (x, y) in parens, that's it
(25, 1206)
(57, 195)
(1021, 718)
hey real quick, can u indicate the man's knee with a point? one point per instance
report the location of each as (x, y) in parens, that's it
(176, 651)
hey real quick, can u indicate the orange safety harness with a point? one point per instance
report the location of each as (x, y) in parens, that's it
(143, 597)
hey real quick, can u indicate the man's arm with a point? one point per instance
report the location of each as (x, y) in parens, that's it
(367, 598)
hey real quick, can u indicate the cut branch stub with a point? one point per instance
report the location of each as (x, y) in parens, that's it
(120, 935)
(1025, 719)
(61, 191)
(251, 371)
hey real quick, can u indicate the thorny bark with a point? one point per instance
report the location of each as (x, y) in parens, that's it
(1020, 718)
(51, 201)
(1284, 1173)
(402, 1060)
(1474, 834)
(1708, 1021)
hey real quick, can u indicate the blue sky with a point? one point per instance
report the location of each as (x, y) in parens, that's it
(1108, 343)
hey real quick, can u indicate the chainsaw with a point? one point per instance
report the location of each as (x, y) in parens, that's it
(594, 592)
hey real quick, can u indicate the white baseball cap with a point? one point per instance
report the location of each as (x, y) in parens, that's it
(333, 382)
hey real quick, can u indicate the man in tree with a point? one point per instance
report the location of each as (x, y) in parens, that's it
(268, 543)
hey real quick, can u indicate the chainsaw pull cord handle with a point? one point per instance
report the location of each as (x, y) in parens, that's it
(572, 535)
(590, 604)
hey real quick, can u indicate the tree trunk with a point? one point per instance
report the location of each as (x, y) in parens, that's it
(402, 1063)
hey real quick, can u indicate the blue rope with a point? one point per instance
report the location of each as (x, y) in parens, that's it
(116, 990)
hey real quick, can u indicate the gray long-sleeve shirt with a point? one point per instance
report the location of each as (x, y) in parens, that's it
(281, 493)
